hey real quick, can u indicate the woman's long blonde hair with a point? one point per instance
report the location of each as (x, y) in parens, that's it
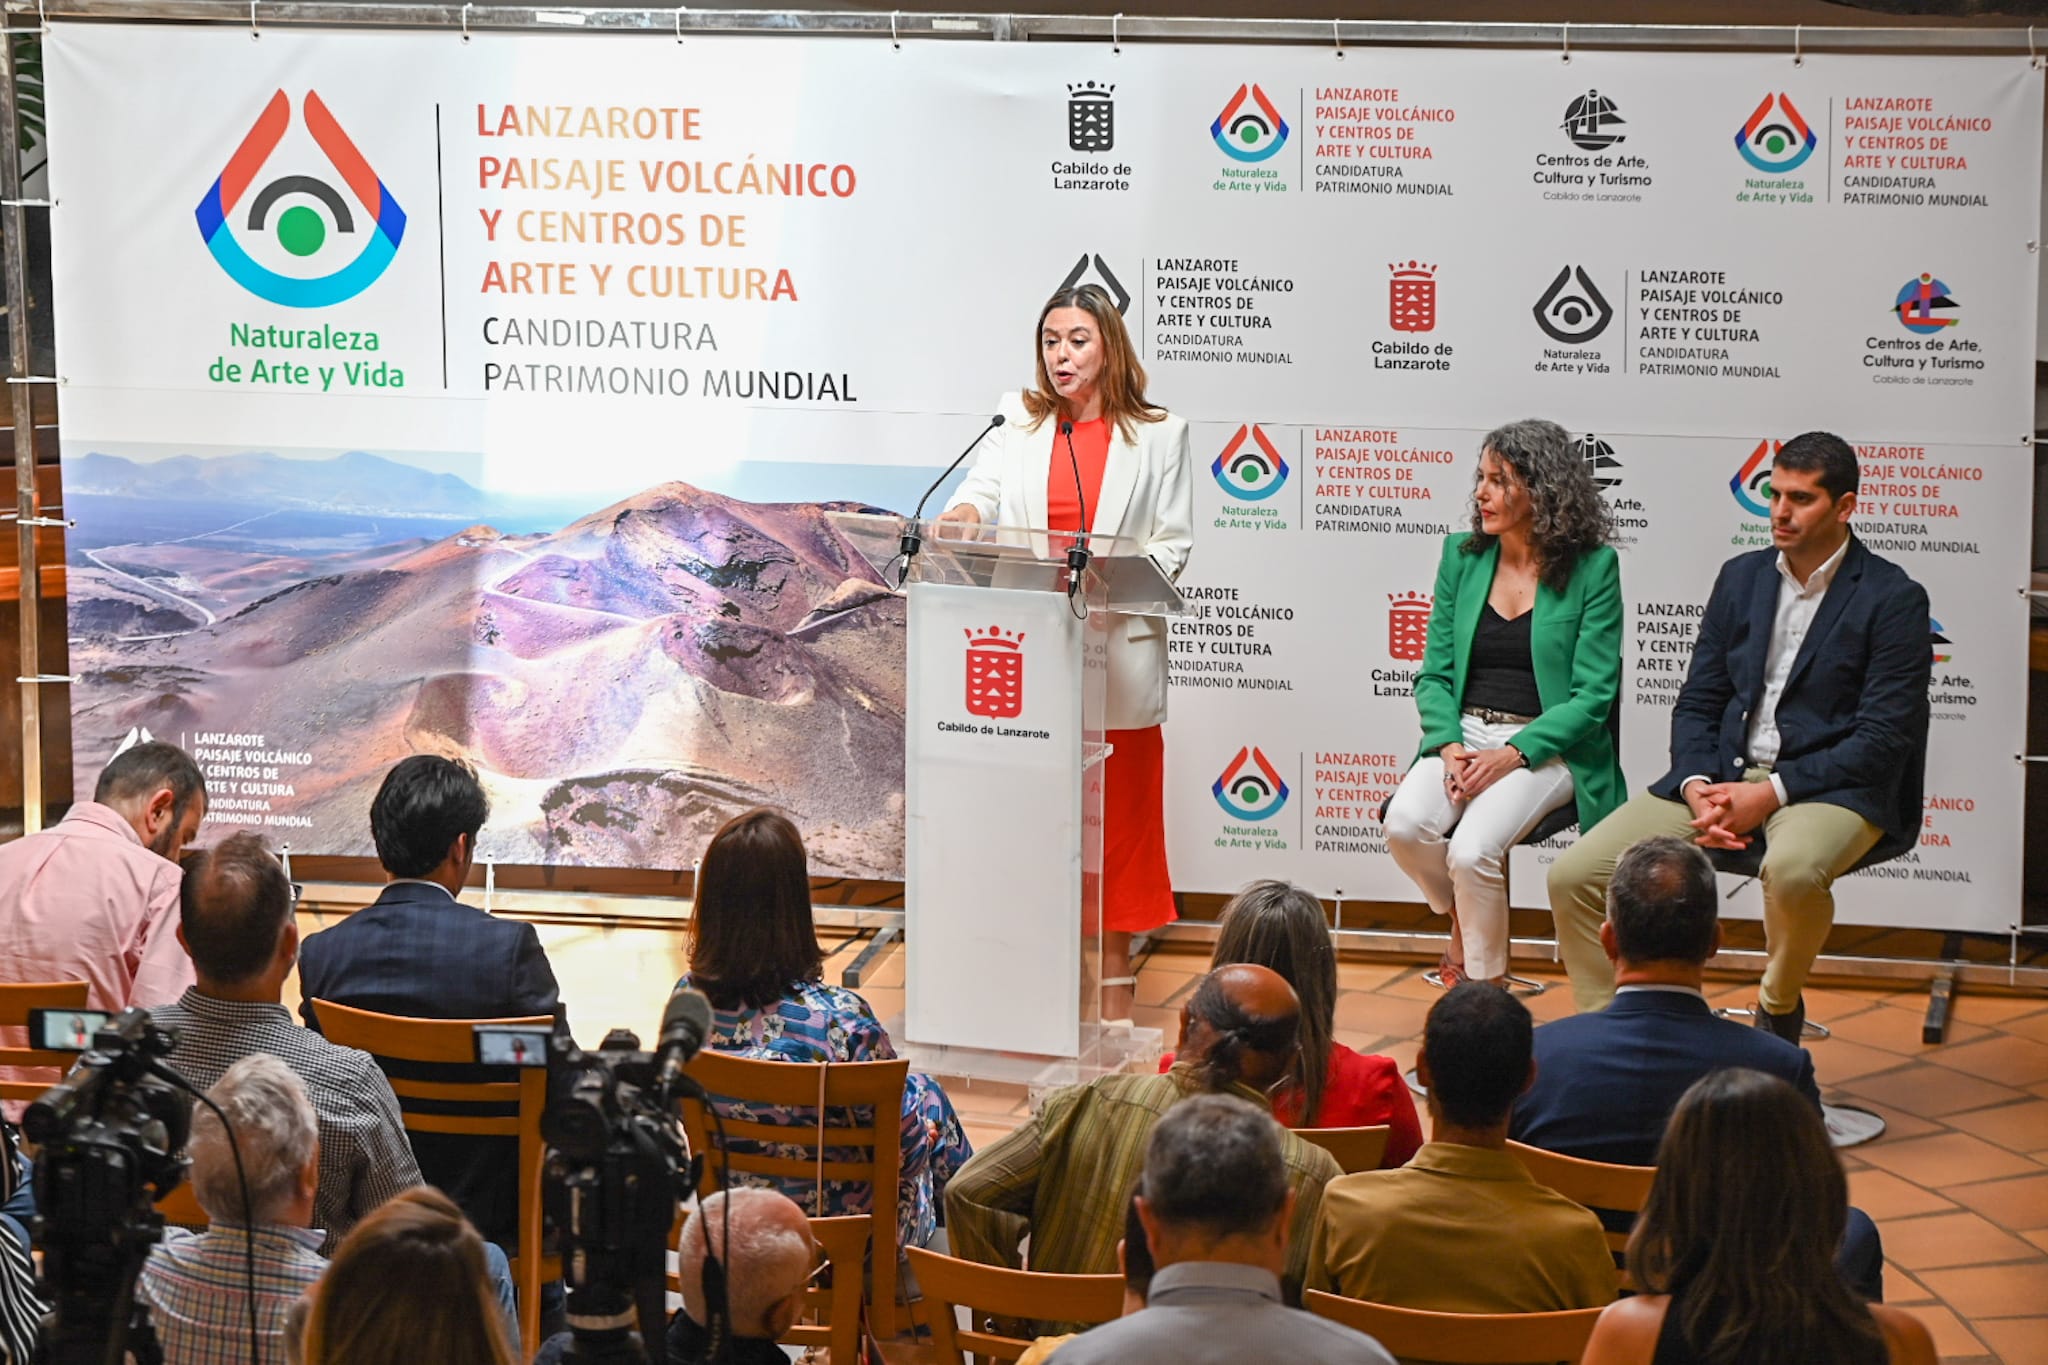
(408, 1283)
(1123, 378)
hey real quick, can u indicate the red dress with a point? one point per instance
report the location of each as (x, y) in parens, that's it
(1137, 890)
(1360, 1090)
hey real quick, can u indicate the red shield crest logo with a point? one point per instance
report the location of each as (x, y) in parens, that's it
(995, 673)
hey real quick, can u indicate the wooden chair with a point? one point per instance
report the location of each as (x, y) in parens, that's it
(1595, 1184)
(389, 1037)
(1356, 1149)
(15, 1003)
(833, 1313)
(181, 1209)
(950, 1283)
(1463, 1338)
(876, 1087)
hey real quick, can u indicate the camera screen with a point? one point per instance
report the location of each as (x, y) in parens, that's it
(511, 1045)
(64, 1030)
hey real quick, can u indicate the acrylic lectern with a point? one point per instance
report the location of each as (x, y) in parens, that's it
(1003, 765)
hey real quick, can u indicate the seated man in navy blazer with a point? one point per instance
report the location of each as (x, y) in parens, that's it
(416, 951)
(1802, 722)
(1607, 1081)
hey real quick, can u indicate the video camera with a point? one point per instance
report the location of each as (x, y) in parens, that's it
(111, 1139)
(618, 1166)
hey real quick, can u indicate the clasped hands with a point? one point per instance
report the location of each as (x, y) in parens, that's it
(1468, 772)
(1724, 813)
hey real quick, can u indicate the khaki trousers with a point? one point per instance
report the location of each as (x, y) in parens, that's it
(1807, 846)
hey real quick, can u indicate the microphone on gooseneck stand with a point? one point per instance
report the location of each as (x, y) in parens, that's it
(1078, 553)
(912, 542)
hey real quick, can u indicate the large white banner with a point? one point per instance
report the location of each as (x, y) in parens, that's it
(483, 396)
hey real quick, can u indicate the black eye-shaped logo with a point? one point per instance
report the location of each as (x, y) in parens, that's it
(300, 229)
(1573, 310)
(1104, 276)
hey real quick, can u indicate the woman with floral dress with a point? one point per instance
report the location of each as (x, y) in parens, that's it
(754, 954)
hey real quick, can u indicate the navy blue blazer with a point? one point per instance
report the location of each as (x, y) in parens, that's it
(1606, 1082)
(1852, 721)
(416, 951)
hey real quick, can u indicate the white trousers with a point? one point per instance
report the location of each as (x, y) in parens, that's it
(1456, 851)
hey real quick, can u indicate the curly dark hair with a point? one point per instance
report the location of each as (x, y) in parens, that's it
(1567, 518)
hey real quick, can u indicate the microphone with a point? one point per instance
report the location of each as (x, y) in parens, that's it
(685, 1023)
(1077, 553)
(912, 542)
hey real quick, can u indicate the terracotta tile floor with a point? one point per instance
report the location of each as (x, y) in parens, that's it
(1959, 1186)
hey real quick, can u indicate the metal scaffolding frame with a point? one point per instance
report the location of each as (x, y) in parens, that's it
(679, 23)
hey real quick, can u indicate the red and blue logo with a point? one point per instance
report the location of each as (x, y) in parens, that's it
(1250, 468)
(1251, 788)
(1775, 139)
(1249, 134)
(1924, 306)
(284, 209)
(1752, 483)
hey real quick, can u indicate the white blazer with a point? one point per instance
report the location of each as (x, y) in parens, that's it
(1147, 495)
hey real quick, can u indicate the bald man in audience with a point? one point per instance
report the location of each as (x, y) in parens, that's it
(770, 1261)
(1062, 1178)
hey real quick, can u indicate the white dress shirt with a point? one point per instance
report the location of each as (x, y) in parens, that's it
(1797, 604)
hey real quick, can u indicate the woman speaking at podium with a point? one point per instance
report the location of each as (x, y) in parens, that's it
(1082, 450)
(1520, 677)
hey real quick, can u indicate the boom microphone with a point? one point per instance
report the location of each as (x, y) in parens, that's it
(912, 542)
(685, 1024)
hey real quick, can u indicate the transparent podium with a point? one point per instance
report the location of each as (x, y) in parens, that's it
(1004, 755)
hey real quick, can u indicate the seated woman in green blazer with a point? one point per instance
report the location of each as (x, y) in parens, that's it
(1518, 686)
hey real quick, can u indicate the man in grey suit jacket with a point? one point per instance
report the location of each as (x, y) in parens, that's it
(1214, 1200)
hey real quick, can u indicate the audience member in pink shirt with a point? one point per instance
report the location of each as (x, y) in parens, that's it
(96, 896)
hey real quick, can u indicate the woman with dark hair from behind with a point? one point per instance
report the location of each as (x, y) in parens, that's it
(754, 954)
(1734, 1251)
(408, 1283)
(1278, 925)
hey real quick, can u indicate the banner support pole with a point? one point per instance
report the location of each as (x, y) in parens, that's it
(21, 404)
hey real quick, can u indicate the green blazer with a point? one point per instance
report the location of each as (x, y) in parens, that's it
(1575, 645)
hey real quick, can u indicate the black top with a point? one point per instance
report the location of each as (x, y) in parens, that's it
(1500, 675)
(1674, 1349)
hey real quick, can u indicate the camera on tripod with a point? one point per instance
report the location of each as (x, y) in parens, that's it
(111, 1141)
(618, 1166)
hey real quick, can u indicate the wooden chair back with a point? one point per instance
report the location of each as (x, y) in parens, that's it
(1595, 1184)
(830, 1316)
(848, 1089)
(1463, 1338)
(452, 1042)
(15, 1003)
(1356, 1149)
(985, 1290)
(181, 1209)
